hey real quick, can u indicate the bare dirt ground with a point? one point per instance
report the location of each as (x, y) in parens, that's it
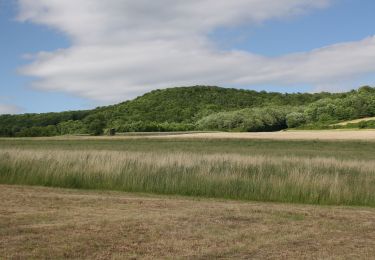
(40, 223)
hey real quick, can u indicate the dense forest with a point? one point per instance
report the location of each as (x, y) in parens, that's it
(203, 108)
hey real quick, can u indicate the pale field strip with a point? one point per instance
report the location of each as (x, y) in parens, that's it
(324, 135)
(332, 135)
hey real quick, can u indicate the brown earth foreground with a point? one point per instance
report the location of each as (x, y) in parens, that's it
(40, 223)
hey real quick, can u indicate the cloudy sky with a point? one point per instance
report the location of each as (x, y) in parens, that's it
(76, 54)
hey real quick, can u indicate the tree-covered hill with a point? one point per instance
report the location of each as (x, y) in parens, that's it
(186, 104)
(200, 108)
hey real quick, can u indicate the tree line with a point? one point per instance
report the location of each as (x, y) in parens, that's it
(202, 108)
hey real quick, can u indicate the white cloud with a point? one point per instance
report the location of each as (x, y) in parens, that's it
(122, 48)
(9, 109)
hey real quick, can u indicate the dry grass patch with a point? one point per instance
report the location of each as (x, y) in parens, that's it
(326, 135)
(331, 135)
(356, 121)
(38, 223)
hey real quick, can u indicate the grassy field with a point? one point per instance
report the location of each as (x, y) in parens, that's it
(208, 210)
(311, 171)
(46, 223)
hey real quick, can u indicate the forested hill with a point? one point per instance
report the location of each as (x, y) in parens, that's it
(200, 108)
(186, 104)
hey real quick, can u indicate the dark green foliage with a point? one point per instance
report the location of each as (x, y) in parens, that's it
(367, 124)
(95, 123)
(200, 107)
(34, 131)
(72, 127)
(188, 103)
(37, 124)
(356, 105)
(141, 126)
(112, 132)
(96, 127)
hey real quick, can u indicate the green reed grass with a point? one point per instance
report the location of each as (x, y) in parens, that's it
(233, 176)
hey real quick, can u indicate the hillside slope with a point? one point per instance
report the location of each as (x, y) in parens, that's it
(199, 107)
(186, 104)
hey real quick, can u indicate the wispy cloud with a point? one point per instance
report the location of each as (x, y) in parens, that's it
(122, 48)
(10, 109)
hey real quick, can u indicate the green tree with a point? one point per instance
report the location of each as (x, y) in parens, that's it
(96, 127)
(295, 119)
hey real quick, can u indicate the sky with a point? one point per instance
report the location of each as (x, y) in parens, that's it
(78, 54)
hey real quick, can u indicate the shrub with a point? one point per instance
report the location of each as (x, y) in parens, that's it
(295, 119)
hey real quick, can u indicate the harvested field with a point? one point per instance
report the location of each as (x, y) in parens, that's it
(40, 223)
(332, 135)
(326, 135)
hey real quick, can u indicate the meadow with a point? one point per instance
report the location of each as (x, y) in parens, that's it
(293, 171)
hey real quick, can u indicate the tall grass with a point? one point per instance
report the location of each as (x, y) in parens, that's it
(234, 176)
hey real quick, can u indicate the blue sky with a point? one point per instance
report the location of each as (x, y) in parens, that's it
(38, 88)
(346, 20)
(24, 38)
